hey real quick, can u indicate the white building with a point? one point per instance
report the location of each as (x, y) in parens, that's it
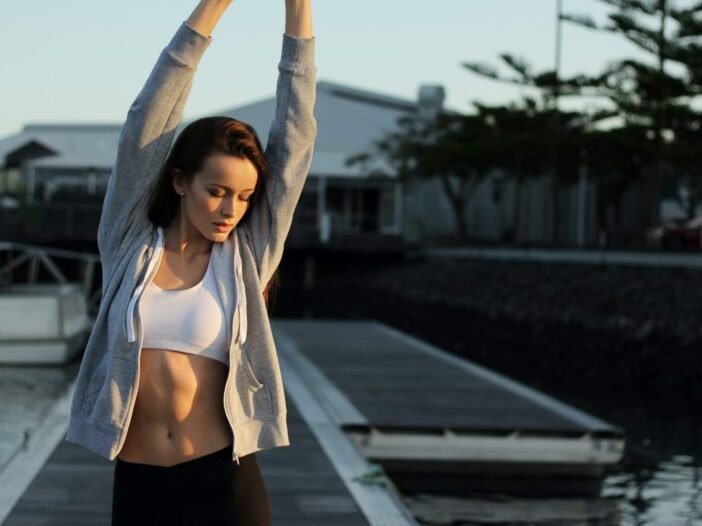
(340, 205)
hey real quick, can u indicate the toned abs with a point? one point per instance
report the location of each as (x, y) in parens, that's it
(179, 410)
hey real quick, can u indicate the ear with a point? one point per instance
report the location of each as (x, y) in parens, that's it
(176, 174)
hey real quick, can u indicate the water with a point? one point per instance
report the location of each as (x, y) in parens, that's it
(668, 495)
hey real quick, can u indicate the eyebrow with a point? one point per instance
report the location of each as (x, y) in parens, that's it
(227, 188)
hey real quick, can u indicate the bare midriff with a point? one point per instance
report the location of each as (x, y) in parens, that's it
(179, 413)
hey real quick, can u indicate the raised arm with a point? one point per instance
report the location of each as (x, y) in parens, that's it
(298, 18)
(149, 130)
(205, 16)
(290, 141)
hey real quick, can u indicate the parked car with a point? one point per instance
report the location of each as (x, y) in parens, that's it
(677, 233)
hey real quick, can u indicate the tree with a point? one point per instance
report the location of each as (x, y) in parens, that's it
(525, 139)
(647, 98)
(648, 95)
(461, 150)
(442, 147)
(550, 88)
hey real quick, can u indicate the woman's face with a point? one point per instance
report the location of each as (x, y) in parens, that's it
(219, 193)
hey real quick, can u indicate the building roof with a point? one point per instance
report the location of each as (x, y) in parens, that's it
(80, 145)
(348, 119)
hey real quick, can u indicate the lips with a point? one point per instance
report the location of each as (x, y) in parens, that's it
(224, 224)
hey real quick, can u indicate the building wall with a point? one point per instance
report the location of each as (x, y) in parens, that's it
(46, 183)
(490, 213)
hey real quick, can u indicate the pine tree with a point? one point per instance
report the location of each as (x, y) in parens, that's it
(652, 103)
(649, 96)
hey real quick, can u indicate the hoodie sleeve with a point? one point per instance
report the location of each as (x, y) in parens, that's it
(146, 138)
(288, 154)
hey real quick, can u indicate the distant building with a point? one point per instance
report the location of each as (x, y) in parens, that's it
(43, 158)
(340, 205)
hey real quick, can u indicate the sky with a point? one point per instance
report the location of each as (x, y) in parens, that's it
(83, 61)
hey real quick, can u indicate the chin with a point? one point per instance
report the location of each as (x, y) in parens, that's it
(221, 235)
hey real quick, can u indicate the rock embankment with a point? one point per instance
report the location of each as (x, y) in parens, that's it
(631, 302)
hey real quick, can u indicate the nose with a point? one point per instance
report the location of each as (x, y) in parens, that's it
(228, 208)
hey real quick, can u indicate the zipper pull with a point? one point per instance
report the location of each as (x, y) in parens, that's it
(236, 457)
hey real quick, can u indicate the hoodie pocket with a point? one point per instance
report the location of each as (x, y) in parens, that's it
(254, 395)
(255, 383)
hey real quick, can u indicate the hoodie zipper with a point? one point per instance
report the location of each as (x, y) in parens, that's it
(131, 337)
(155, 260)
(239, 296)
(235, 457)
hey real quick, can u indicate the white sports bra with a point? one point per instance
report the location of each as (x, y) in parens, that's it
(189, 320)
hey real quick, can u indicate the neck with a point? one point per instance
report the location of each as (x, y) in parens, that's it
(183, 238)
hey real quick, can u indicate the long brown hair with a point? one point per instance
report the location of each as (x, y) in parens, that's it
(196, 142)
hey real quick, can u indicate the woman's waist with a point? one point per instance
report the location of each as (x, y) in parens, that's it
(177, 389)
(164, 443)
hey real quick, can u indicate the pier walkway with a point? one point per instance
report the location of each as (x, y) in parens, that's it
(360, 395)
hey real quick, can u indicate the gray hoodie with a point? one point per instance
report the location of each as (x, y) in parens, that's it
(131, 248)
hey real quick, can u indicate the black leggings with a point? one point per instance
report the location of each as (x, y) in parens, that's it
(211, 490)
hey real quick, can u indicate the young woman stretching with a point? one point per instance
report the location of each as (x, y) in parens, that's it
(180, 381)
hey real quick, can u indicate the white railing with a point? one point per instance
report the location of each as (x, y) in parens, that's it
(13, 255)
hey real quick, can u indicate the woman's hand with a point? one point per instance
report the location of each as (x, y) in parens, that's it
(206, 15)
(298, 18)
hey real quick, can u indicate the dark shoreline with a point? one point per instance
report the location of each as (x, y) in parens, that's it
(645, 380)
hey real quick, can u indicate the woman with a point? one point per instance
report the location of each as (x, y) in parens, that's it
(180, 381)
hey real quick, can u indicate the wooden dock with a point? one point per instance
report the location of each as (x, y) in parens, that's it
(74, 488)
(434, 420)
(362, 395)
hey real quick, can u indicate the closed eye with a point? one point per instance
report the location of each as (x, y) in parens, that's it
(215, 194)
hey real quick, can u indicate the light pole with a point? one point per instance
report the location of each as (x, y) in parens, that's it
(559, 16)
